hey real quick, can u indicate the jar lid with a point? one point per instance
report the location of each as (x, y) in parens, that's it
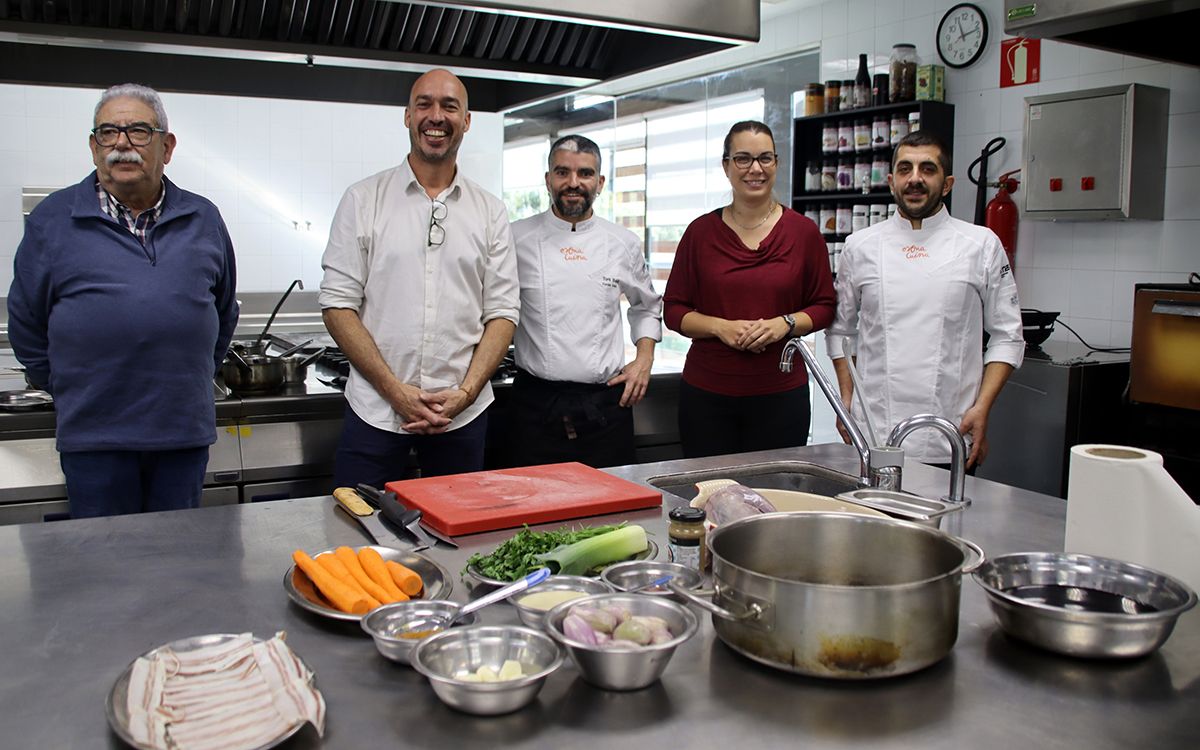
(848, 82)
(904, 45)
(815, 87)
(833, 84)
(687, 514)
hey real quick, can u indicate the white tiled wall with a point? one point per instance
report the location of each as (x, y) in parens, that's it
(1085, 270)
(275, 168)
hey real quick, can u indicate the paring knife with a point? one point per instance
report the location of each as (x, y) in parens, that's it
(366, 516)
(393, 510)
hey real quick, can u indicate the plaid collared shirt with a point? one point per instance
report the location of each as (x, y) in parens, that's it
(138, 225)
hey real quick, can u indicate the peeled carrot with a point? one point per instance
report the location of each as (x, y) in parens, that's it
(339, 571)
(347, 557)
(406, 579)
(372, 565)
(343, 597)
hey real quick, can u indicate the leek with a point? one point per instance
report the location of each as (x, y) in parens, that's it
(582, 556)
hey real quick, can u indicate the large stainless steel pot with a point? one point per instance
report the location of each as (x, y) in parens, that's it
(837, 595)
(252, 373)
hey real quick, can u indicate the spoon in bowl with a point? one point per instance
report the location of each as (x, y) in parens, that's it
(435, 623)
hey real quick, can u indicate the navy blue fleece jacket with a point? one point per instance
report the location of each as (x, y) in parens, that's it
(126, 337)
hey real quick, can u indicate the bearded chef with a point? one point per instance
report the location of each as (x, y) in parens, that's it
(915, 294)
(573, 393)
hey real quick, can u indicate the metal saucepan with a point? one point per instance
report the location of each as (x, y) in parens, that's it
(249, 346)
(836, 595)
(295, 369)
(254, 373)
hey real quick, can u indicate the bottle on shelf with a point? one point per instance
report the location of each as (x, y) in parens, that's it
(862, 135)
(813, 214)
(847, 94)
(862, 173)
(844, 218)
(845, 174)
(833, 96)
(880, 166)
(829, 181)
(914, 122)
(899, 127)
(902, 80)
(878, 213)
(881, 132)
(814, 99)
(829, 137)
(859, 217)
(828, 223)
(879, 89)
(846, 136)
(812, 177)
(862, 84)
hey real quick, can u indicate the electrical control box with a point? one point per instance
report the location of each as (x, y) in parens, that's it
(1096, 154)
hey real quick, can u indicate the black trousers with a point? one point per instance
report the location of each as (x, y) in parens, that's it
(712, 425)
(552, 422)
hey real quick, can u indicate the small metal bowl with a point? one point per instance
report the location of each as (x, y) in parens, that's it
(1145, 603)
(386, 624)
(630, 668)
(443, 656)
(534, 617)
(629, 575)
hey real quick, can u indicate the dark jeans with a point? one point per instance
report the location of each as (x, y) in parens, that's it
(712, 425)
(553, 421)
(110, 483)
(369, 455)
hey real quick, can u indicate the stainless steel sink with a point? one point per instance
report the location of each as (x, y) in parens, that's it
(775, 475)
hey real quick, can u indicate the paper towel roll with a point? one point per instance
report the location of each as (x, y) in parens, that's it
(1122, 503)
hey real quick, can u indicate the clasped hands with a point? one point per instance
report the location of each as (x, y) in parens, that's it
(428, 412)
(752, 335)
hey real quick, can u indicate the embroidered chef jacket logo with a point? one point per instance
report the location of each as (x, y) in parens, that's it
(913, 252)
(1005, 270)
(572, 253)
(609, 281)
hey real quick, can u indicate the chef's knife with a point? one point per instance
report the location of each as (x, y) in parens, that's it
(395, 511)
(368, 519)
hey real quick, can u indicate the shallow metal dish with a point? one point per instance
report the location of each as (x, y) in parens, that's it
(440, 657)
(534, 617)
(630, 575)
(649, 553)
(116, 705)
(25, 400)
(1074, 631)
(301, 590)
(629, 668)
(903, 505)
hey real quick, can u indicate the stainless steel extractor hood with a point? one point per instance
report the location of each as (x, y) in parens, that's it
(1155, 29)
(509, 52)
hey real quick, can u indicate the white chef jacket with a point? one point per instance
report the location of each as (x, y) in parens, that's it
(424, 305)
(914, 305)
(571, 286)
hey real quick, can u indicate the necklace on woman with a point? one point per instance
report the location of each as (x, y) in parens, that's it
(763, 220)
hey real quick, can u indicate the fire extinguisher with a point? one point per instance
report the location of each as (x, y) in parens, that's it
(1002, 215)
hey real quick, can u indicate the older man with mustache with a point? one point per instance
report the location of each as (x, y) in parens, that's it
(914, 296)
(122, 306)
(420, 292)
(574, 393)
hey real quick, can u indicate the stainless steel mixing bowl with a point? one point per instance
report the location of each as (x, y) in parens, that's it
(1153, 600)
(444, 656)
(386, 624)
(630, 668)
(534, 617)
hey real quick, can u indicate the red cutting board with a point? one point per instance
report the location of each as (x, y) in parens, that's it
(489, 500)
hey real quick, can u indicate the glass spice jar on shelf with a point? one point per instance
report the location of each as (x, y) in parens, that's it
(833, 96)
(902, 78)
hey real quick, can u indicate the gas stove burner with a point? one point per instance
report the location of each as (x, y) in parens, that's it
(335, 360)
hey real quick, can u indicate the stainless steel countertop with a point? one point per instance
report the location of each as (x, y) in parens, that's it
(80, 599)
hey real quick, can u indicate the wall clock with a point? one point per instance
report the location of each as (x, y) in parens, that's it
(962, 35)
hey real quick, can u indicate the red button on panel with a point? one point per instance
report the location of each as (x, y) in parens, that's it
(1087, 183)
(1055, 184)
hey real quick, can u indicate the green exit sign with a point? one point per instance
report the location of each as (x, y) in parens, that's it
(1022, 11)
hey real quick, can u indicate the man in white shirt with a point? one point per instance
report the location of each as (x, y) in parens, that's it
(420, 292)
(915, 294)
(573, 394)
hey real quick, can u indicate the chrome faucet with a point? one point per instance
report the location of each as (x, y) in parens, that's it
(958, 448)
(835, 400)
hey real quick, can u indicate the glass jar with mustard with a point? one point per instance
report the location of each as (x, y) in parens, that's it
(685, 535)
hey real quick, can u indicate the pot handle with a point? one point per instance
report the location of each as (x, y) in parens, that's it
(242, 364)
(972, 565)
(311, 358)
(752, 612)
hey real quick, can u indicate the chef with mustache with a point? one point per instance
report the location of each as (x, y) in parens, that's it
(574, 393)
(915, 295)
(420, 292)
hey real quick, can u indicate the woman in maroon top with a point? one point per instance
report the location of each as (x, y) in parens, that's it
(746, 278)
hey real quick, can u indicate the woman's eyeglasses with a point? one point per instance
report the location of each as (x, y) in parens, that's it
(437, 233)
(743, 161)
